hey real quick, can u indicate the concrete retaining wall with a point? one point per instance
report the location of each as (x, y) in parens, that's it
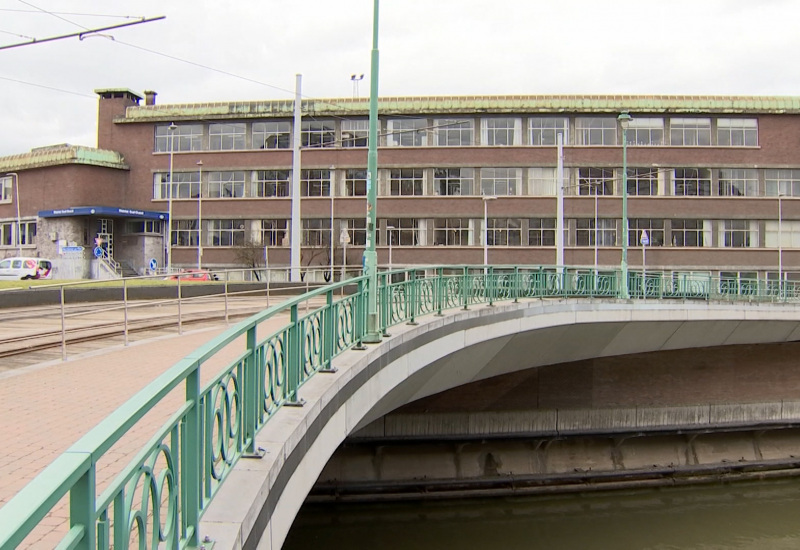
(578, 421)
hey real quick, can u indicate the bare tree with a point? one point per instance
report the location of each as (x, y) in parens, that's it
(251, 255)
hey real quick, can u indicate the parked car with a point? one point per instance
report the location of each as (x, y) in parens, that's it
(26, 268)
(193, 275)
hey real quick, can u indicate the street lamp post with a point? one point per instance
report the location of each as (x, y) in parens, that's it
(332, 251)
(780, 243)
(199, 214)
(19, 219)
(486, 200)
(170, 188)
(624, 120)
(389, 229)
(344, 239)
(596, 189)
(370, 259)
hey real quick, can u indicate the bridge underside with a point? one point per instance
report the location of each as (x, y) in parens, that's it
(256, 506)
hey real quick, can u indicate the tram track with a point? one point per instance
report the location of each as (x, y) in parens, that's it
(40, 334)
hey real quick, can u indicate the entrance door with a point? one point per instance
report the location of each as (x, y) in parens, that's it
(105, 232)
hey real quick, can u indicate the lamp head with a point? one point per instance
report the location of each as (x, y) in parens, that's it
(624, 119)
(172, 127)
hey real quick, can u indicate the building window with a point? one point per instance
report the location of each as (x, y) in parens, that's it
(451, 231)
(272, 183)
(645, 131)
(605, 233)
(357, 230)
(654, 228)
(454, 132)
(27, 233)
(733, 182)
(273, 232)
(227, 137)
(544, 181)
(184, 233)
(7, 234)
(355, 182)
(789, 233)
(403, 231)
(739, 233)
(595, 181)
(318, 134)
(187, 137)
(144, 226)
(226, 233)
(316, 232)
(642, 181)
(690, 132)
(596, 130)
(692, 182)
(226, 185)
(407, 181)
(272, 135)
(687, 233)
(784, 182)
(315, 183)
(453, 181)
(544, 130)
(186, 185)
(504, 232)
(499, 181)
(737, 132)
(407, 132)
(542, 232)
(355, 133)
(501, 131)
(6, 188)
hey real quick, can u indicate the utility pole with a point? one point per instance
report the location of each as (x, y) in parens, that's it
(370, 255)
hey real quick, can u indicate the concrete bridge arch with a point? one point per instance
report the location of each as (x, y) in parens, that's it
(257, 504)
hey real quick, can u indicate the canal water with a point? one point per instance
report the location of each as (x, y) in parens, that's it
(752, 515)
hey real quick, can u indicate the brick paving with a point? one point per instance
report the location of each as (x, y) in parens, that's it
(48, 407)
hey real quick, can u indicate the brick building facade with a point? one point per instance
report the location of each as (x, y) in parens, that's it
(713, 181)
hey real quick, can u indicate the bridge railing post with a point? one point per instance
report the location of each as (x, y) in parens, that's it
(82, 506)
(294, 362)
(360, 313)
(414, 296)
(192, 455)
(250, 392)
(441, 289)
(490, 286)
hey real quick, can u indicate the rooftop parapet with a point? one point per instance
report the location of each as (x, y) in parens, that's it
(56, 155)
(455, 105)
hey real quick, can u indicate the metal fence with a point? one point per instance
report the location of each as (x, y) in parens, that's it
(158, 499)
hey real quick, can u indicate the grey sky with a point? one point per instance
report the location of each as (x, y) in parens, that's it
(428, 47)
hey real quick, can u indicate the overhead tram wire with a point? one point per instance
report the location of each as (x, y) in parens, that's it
(80, 94)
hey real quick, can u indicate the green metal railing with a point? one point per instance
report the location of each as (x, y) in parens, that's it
(159, 498)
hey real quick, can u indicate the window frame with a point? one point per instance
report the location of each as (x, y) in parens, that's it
(281, 130)
(541, 133)
(510, 134)
(227, 136)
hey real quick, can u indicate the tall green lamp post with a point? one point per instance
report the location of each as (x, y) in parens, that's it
(370, 255)
(624, 120)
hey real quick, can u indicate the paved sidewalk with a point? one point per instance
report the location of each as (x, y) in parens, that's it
(48, 407)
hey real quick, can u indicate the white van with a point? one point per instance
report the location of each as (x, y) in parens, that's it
(26, 268)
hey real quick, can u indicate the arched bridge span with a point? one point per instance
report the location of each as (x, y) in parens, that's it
(257, 505)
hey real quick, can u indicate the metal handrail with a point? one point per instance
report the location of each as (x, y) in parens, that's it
(175, 476)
